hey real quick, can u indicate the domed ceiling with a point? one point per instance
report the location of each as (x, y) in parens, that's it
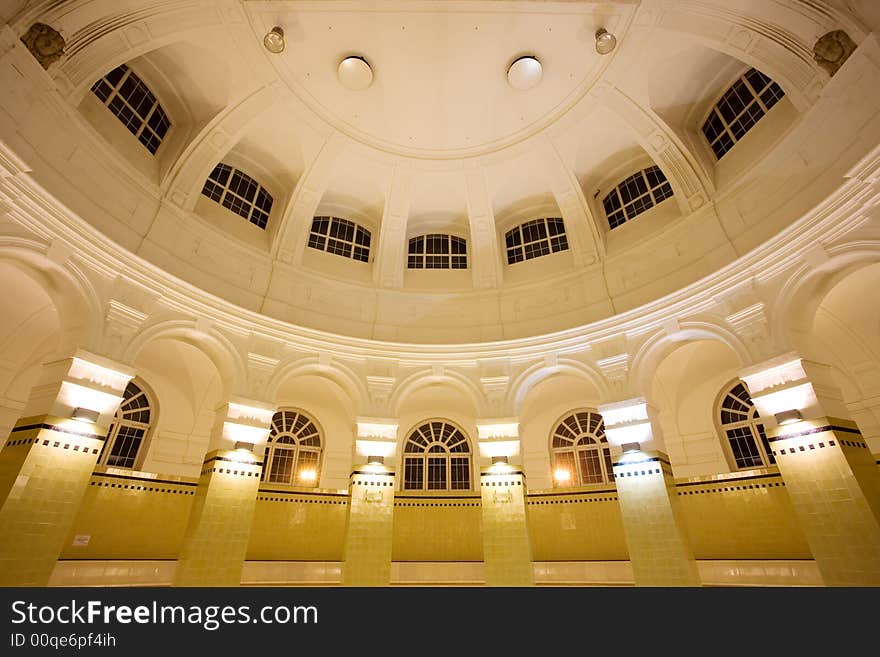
(439, 141)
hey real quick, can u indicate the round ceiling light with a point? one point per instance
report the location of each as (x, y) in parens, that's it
(274, 40)
(524, 73)
(605, 41)
(355, 73)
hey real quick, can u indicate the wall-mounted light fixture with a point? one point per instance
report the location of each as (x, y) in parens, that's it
(605, 41)
(630, 447)
(788, 417)
(274, 40)
(244, 446)
(562, 476)
(85, 414)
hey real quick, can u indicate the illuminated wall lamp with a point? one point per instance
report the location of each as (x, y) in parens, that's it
(499, 459)
(375, 458)
(242, 446)
(788, 417)
(85, 414)
(562, 476)
(630, 447)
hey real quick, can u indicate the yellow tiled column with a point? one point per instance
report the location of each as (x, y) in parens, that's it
(507, 548)
(658, 546)
(219, 525)
(47, 461)
(830, 475)
(370, 526)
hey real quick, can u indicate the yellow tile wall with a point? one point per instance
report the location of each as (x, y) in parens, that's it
(291, 526)
(131, 517)
(576, 524)
(747, 517)
(44, 473)
(219, 524)
(437, 528)
(369, 534)
(507, 550)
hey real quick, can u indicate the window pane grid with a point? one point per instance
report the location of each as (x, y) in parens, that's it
(129, 99)
(343, 237)
(434, 251)
(580, 450)
(293, 452)
(437, 458)
(739, 109)
(743, 429)
(238, 192)
(637, 193)
(535, 238)
(130, 425)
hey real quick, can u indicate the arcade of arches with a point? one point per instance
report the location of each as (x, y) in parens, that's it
(259, 328)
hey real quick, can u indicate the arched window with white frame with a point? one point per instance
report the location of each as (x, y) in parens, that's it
(580, 451)
(743, 429)
(128, 432)
(437, 456)
(293, 449)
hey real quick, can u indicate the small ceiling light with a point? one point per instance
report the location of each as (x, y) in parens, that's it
(524, 73)
(605, 41)
(355, 73)
(274, 40)
(788, 417)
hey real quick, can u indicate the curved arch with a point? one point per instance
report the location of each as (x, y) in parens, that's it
(338, 373)
(68, 287)
(217, 347)
(656, 348)
(426, 377)
(799, 299)
(533, 375)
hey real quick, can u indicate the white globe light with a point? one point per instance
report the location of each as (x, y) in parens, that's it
(355, 73)
(524, 73)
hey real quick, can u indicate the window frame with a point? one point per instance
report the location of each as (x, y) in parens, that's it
(119, 421)
(651, 193)
(359, 251)
(226, 190)
(448, 258)
(600, 445)
(514, 239)
(426, 454)
(156, 106)
(288, 437)
(756, 97)
(758, 439)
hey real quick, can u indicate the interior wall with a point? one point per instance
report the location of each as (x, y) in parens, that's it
(29, 335)
(545, 404)
(334, 411)
(846, 335)
(684, 391)
(188, 390)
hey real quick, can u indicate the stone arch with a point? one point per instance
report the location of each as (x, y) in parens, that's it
(425, 377)
(533, 375)
(338, 373)
(217, 347)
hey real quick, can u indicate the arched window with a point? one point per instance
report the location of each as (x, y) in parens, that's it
(130, 426)
(740, 108)
(437, 456)
(126, 95)
(535, 238)
(237, 191)
(293, 450)
(435, 251)
(340, 236)
(641, 191)
(581, 454)
(743, 428)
